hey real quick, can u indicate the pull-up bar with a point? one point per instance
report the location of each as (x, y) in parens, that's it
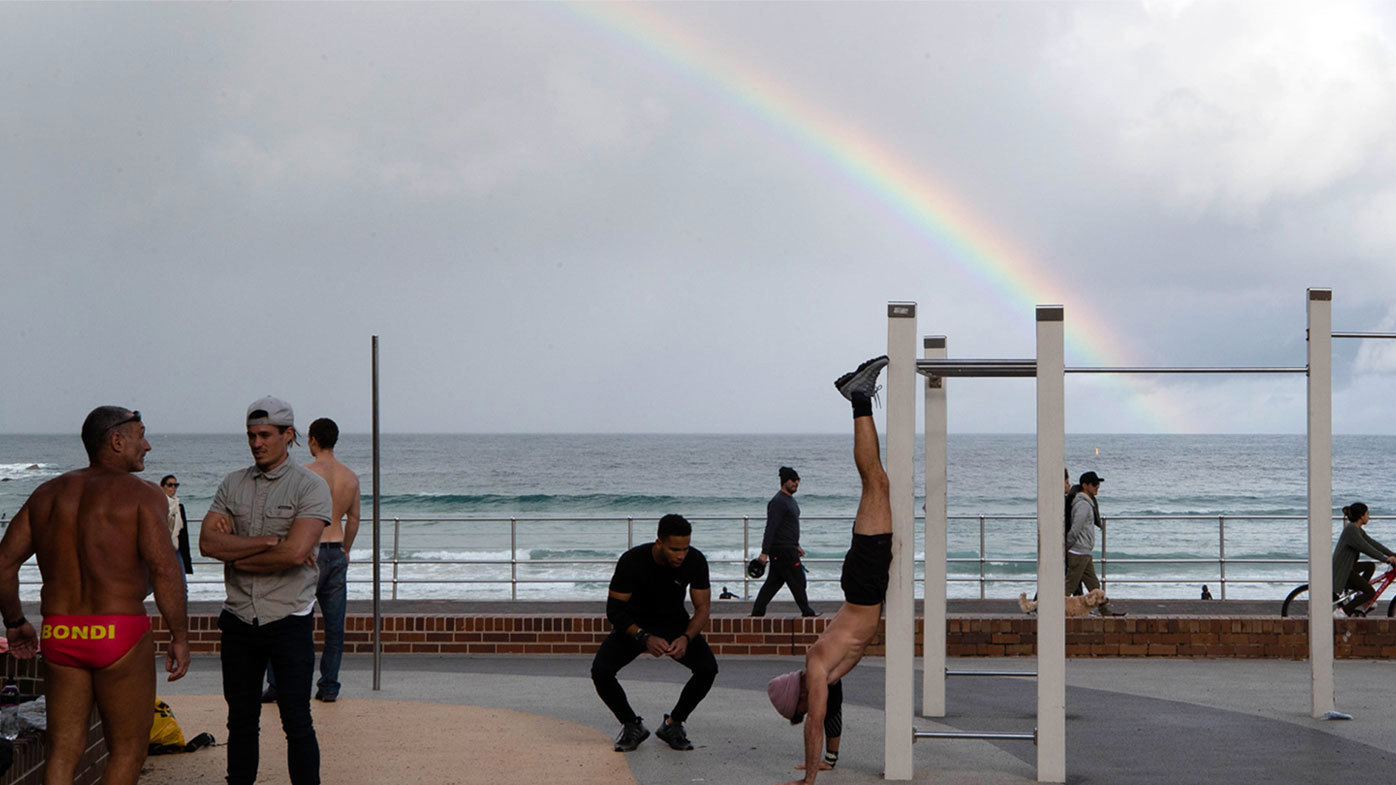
(1028, 368)
(989, 735)
(1364, 335)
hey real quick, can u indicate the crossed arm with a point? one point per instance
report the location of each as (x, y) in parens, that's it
(265, 553)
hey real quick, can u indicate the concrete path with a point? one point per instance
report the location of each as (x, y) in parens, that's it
(1129, 721)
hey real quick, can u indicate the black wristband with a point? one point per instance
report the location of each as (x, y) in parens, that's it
(687, 637)
(20, 622)
(641, 636)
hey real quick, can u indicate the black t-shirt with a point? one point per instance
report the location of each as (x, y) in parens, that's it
(657, 591)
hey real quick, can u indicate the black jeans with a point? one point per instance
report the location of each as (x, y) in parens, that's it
(1360, 579)
(619, 650)
(287, 644)
(784, 568)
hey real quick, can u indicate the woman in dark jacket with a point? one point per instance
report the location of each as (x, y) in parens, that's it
(1347, 573)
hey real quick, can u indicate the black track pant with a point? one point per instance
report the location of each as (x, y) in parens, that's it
(783, 568)
(619, 650)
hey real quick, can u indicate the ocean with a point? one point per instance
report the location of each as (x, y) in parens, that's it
(579, 500)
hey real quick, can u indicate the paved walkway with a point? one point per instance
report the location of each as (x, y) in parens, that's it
(1128, 721)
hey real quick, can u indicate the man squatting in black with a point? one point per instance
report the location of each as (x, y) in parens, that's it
(646, 609)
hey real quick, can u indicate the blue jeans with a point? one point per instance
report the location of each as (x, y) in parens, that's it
(286, 645)
(332, 595)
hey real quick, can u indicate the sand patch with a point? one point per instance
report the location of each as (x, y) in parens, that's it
(380, 741)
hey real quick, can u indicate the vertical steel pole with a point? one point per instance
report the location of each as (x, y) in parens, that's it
(513, 558)
(377, 539)
(933, 625)
(981, 557)
(1051, 569)
(1320, 318)
(900, 637)
(397, 550)
(1221, 551)
(746, 555)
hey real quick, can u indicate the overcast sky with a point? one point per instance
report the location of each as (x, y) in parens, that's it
(679, 218)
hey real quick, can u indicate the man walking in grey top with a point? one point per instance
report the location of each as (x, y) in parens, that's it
(1080, 539)
(780, 547)
(265, 524)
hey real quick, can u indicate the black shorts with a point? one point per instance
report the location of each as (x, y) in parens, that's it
(865, 567)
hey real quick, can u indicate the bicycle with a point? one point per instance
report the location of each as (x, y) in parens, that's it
(1379, 583)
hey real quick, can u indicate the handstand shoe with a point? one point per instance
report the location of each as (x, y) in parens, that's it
(863, 380)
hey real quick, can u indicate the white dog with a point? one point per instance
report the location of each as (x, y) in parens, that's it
(1078, 605)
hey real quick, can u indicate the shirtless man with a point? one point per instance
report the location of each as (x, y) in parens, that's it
(806, 694)
(100, 534)
(331, 591)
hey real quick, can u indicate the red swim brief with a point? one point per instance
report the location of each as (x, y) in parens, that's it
(91, 641)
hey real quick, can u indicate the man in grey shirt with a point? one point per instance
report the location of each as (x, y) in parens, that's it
(780, 547)
(1080, 540)
(264, 525)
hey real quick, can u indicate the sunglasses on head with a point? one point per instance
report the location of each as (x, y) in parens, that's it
(135, 417)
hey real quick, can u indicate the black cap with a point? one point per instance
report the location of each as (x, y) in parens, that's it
(1091, 478)
(787, 474)
(755, 568)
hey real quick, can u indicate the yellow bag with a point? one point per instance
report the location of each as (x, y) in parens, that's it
(165, 734)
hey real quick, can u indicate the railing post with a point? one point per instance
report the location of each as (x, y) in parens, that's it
(981, 557)
(1221, 551)
(397, 537)
(1103, 562)
(513, 558)
(746, 555)
(629, 532)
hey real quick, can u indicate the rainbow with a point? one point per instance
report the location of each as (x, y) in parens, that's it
(929, 208)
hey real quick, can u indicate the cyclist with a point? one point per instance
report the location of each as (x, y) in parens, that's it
(1347, 572)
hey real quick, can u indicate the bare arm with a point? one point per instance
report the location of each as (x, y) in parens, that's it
(166, 572)
(15, 550)
(818, 687)
(702, 606)
(351, 520)
(217, 541)
(296, 548)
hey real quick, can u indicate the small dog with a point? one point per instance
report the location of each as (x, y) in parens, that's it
(1078, 605)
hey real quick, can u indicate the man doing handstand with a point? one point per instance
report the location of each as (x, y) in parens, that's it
(815, 694)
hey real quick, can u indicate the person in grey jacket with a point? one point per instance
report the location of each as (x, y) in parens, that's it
(781, 546)
(1347, 573)
(1080, 539)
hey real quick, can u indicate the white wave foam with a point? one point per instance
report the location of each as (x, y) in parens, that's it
(28, 471)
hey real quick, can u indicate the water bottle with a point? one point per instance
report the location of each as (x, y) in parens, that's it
(9, 709)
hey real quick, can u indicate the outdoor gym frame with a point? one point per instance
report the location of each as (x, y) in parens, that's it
(1049, 370)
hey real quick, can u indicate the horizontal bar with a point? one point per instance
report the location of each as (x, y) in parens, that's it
(1028, 368)
(959, 734)
(1191, 369)
(1364, 335)
(978, 368)
(1024, 674)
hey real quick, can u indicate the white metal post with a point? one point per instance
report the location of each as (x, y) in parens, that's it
(1051, 567)
(933, 626)
(1320, 317)
(901, 601)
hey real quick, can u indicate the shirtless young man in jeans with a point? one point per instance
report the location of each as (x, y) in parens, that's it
(100, 533)
(805, 694)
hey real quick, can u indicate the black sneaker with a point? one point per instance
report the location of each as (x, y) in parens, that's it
(269, 695)
(631, 734)
(671, 733)
(863, 380)
(326, 697)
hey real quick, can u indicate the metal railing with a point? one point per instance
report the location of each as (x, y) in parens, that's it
(980, 568)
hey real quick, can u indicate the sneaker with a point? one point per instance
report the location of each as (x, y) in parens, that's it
(326, 697)
(671, 733)
(269, 695)
(863, 380)
(631, 734)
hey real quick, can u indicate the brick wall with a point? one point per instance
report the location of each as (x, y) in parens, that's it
(967, 636)
(28, 767)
